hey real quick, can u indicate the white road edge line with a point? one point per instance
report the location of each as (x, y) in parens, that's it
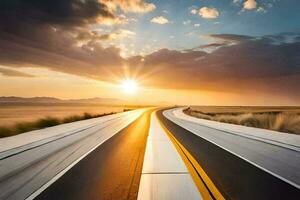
(251, 162)
(246, 135)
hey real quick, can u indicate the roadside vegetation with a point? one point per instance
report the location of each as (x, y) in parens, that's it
(277, 118)
(23, 127)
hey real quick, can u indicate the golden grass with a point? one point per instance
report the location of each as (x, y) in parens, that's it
(11, 114)
(22, 127)
(283, 119)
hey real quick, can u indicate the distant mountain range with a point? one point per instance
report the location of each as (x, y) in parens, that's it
(96, 100)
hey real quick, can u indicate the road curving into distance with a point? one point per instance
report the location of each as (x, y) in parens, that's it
(148, 154)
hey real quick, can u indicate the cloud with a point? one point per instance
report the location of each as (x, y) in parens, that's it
(196, 25)
(159, 20)
(212, 45)
(59, 12)
(250, 4)
(115, 35)
(209, 13)
(56, 34)
(230, 37)
(194, 11)
(137, 6)
(11, 72)
(261, 10)
(121, 34)
(255, 66)
(48, 34)
(86, 35)
(116, 20)
(42, 22)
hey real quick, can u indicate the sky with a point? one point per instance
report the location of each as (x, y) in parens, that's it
(204, 52)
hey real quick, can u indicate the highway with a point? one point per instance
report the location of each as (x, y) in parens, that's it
(150, 154)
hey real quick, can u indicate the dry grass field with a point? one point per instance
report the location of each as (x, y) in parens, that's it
(19, 118)
(14, 113)
(283, 119)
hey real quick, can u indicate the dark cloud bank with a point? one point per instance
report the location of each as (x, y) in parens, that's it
(256, 65)
(47, 34)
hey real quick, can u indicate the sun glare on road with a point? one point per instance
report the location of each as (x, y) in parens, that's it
(129, 86)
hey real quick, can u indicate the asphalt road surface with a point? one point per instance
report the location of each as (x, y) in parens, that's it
(234, 177)
(112, 171)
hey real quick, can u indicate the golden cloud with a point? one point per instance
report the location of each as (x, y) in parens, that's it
(122, 33)
(250, 4)
(137, 6)
(159, 20)
(121, 19)
(209, 13)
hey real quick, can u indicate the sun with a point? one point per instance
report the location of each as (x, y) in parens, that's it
(129, 86)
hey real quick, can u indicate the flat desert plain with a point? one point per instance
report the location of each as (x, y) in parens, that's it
(15, 113)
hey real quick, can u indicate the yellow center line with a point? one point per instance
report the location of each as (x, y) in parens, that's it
(204, 184)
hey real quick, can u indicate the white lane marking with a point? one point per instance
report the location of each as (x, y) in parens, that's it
(167, 187)
(160, 154)
(164, 174)
(251, 162)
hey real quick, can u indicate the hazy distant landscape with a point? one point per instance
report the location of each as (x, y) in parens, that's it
(283, 119)
(27, 113)
(17, 109)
